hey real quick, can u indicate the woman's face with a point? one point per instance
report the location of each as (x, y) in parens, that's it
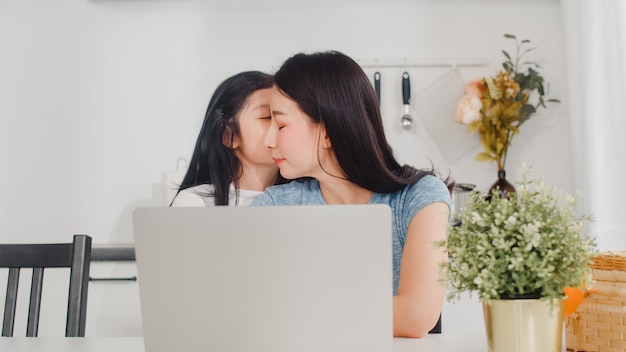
(296, 143)
(254, 120)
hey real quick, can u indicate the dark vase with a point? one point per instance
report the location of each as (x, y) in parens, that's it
(502, 185)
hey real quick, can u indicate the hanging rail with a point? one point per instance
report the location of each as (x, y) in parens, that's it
(386, 63)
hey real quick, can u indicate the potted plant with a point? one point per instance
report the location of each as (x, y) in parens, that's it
(518, 253)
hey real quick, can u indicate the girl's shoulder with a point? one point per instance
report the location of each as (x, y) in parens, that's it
(197, 196)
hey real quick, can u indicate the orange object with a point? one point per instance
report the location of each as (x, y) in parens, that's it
(574, 297)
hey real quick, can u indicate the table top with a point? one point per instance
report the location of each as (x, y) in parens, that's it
(432, 343)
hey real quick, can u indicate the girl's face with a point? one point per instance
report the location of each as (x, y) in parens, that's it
(296, 143)
(254, 120)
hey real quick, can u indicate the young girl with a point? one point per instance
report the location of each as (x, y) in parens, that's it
(327, 132)
(230, 165)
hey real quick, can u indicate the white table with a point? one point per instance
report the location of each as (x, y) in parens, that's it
(431, 343)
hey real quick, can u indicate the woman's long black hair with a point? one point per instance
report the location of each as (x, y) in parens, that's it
(332, 89)
(213, 162)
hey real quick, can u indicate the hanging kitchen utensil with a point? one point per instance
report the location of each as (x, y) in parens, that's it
(435, 107)
(406, 120)
(377, 85)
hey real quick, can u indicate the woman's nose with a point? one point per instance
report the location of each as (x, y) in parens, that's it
(270, 135)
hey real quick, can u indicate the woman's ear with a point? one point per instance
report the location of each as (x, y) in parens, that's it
(229, 139)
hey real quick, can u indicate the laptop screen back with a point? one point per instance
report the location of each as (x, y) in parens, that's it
(279, 279)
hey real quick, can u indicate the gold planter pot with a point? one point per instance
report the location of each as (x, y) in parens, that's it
(524, 325)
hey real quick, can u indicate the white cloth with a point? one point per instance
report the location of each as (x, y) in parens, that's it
(198, 196)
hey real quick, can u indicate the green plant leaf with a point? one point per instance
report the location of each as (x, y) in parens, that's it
(540, 90)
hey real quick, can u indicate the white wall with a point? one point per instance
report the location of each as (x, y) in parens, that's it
(98, 98)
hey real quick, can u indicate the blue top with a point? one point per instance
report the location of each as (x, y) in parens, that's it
(404, 204)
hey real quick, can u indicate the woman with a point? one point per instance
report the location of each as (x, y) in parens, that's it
(327, 132)
(230, 165)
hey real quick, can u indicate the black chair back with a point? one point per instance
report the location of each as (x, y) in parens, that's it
(76, 256)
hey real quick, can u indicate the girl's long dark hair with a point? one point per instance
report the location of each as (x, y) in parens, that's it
(213, 162)
(332, 89)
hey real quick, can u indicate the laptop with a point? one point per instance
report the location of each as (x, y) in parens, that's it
(261, 279)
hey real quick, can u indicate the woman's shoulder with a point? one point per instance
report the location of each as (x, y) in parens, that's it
(297, 192)
(430, 184)
(302, 184)
(430, 187)
(414, 197)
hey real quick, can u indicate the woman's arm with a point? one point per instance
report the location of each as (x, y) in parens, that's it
(420, 297)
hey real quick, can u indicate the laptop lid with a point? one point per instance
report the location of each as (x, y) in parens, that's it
(277, 278)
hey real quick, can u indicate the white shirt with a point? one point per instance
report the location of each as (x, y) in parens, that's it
(197, 197)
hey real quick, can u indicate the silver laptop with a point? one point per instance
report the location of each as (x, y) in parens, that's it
(257, 279)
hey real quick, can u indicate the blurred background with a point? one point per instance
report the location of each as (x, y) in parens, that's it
(99, 99)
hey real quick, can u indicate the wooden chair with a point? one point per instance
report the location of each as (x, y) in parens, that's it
(75, 255)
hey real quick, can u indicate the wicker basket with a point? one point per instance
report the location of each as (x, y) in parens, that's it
(599, 323)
